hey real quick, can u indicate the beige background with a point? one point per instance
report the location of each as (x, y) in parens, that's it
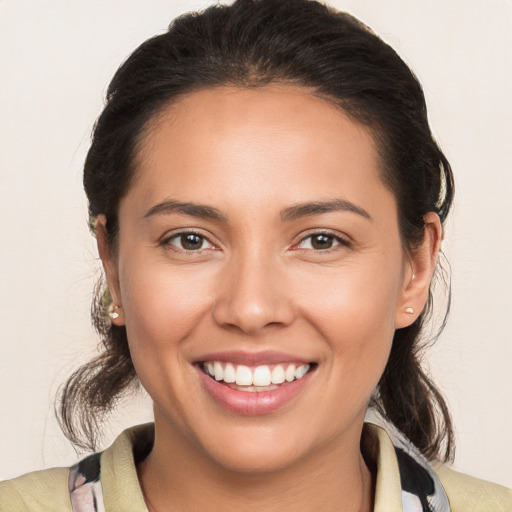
(56, 58)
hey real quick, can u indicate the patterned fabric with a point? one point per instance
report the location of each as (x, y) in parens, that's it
(84, 485)
(421, 489)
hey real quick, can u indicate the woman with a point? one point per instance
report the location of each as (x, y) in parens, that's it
(268, 203)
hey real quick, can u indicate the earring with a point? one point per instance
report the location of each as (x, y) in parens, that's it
(114, 314)
(409, 311)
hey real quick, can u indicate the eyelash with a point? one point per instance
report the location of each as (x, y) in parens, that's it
(167, 241)
(340, 242)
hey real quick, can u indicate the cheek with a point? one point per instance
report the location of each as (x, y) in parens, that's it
(158, 298)
(162, 308)
(354, 309)
(352, 299)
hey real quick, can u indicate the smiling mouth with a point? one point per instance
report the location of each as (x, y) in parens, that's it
(257, 378)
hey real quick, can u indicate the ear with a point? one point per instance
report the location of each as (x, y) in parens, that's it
(418, 272)
(110, 268)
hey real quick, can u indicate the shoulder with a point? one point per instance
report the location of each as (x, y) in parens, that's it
(109, 477)
(469, 493)
(40, 491)
(396, 476)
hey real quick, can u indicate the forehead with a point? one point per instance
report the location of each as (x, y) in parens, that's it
(262, 141)
(224, 112)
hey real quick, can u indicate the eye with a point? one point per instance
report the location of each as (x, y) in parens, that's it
(320, 242)
(188, 242)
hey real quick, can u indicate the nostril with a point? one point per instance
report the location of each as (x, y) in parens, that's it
(251, 315)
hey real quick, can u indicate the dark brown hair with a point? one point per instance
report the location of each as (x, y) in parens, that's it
(249, 44)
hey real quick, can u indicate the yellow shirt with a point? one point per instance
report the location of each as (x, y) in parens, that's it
(47, 490)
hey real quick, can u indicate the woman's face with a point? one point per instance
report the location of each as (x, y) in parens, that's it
(256, 241)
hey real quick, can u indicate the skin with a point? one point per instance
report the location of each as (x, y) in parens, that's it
(257, 283)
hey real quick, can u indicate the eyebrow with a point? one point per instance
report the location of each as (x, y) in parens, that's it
(319, 207)
(288, 214)
(193, 209)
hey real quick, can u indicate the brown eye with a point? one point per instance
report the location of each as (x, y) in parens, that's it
(320, 242)
(189, 242)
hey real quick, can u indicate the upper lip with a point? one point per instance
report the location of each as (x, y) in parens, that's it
(252, 358)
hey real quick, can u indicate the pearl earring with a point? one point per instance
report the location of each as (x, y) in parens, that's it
(409, 311)
(114, 314)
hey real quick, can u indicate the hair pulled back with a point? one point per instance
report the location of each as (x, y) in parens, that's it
(249, 44)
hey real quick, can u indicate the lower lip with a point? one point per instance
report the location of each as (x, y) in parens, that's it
(252, 403)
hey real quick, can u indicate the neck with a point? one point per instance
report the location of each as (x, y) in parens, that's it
(334, 477)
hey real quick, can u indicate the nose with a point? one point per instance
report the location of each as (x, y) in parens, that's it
(253, 296)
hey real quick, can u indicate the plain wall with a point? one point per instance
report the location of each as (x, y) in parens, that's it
(56, 58)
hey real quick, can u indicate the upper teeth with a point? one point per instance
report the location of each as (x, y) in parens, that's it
(258, 376)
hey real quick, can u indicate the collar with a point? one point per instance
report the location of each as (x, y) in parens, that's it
(108, 481)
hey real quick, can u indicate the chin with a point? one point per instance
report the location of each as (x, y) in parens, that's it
(258, 455)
